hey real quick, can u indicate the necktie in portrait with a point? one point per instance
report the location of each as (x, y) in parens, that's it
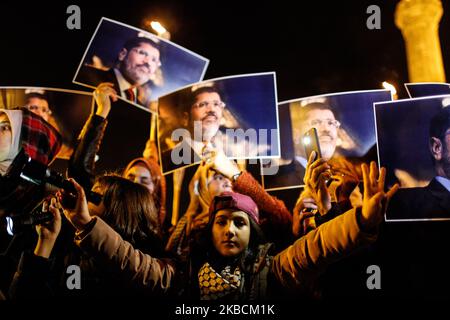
(129, 93)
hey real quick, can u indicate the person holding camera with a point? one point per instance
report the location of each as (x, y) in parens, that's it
(25, 137)
(33, 272)
(326, 194)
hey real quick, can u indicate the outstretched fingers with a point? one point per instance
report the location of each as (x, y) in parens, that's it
(392, 191)
(381, 179)
(366, 182)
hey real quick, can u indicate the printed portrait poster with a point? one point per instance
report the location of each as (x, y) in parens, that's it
(414, 145)
(236, 115)
(141, 65)
(427, 89)
(68, 110)
(345, 134)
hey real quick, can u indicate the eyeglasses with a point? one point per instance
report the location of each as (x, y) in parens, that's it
(328, 122)
(145, 54)
(205, 104)
(34, 108)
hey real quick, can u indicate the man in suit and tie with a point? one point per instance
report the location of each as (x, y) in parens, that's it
(413, 250)
(433, 200)
(134, 73)
(202, 113)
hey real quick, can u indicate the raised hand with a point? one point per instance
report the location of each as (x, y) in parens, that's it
(375, 200)
(48, 231)
(316, 175)
(103, 95)
(79, 215)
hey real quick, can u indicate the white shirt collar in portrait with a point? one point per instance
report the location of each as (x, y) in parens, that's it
(302, 161)
(444, 181)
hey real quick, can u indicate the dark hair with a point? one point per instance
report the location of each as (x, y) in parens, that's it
(38, 95)
(129, 209)
(135, 42)
(190, 97)
(316, 106)
(440, 123)
(159, 181)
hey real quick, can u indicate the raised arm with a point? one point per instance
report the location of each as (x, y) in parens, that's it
(115, 255)
(335, 239)
(82, 162)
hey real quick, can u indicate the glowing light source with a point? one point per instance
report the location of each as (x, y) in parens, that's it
(390, 87)
(158, 27)
(446, 102)
(306, 140)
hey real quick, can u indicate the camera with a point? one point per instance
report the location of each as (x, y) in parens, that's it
(24, 187)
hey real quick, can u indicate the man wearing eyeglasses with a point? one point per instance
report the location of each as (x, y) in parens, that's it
(320, 116)
(317, 115)
(38, 104)
(136, 72)
(202, 115)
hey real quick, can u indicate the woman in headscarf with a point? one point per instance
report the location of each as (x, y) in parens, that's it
(219, 174)
(10, 128)
(147, 172)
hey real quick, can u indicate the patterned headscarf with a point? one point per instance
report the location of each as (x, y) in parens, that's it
(40, 140)
(159, 195)
(214, 285)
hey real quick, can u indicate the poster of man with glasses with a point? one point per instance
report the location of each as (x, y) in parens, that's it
(140, 65)
(236, 115)
(345, 129)
(68, 111)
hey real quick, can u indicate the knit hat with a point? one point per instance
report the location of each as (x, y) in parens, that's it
(234, 200)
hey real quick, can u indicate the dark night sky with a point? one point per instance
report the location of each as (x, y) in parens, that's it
(314, 46)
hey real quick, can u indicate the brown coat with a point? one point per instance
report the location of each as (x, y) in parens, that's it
(117, 256)
(293, 268)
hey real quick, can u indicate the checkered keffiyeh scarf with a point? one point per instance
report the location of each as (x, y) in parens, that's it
(40, 139)
(214, 285)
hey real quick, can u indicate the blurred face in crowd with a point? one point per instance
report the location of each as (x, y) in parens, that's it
(327, 129)
(5, 136)
(40, 107)
(139, 64)
(218, 184)
(440, 149)
(207, 108)
(140, 174)
(231, 232)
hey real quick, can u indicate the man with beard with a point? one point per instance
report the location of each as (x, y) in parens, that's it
(432, 201)
(313, 115)
(134, 73)
(202, 116)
